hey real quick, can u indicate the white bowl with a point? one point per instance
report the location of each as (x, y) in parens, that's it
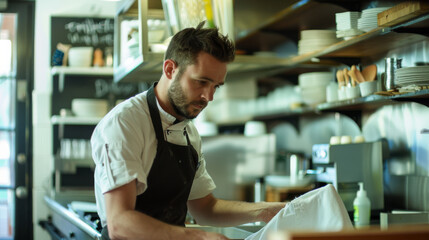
(254, 128)
(80, 56)
(315, 79)
(85, 107)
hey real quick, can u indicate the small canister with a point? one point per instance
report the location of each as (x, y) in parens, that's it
(391, 64)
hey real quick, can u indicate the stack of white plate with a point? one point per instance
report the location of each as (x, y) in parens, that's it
(313, 86)
(313, 40)
(347, 24)
(368, 19)
(418, 76)
(347, 20)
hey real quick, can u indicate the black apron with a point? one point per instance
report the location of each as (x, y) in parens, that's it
(170, 178)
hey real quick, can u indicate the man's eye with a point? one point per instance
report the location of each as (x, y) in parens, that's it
(202, 82)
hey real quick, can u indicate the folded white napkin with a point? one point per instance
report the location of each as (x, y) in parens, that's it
(319, 210)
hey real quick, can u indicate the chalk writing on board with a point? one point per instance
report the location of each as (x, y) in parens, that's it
(89, 32)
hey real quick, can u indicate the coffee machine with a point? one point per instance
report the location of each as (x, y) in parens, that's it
(345, 165)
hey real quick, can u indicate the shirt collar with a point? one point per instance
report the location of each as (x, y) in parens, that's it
(170, 119)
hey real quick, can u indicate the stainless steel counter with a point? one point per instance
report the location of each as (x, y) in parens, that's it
(67, 224)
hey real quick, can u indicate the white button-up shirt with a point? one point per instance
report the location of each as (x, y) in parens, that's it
(124, 146)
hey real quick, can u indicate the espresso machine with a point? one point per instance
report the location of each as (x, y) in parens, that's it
(345, 165)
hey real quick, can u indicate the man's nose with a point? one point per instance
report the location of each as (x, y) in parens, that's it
(208, 93)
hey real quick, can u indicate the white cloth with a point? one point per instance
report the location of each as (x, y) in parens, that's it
(124, 146)
(319, 210)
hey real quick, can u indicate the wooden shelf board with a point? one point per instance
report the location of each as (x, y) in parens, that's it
(73, 120)
(372, 102)
(59, 70)
(287, 113)
(298, 16)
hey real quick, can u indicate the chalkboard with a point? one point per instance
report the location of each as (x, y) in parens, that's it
(82, 31)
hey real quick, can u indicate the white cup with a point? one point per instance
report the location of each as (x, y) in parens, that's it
(82, 148)
(342, 93)
(368, 88)
(335, 140)
(332, 92)
(88, 149)
(359, 139)
(346, 140)
(294, 167)
(65, 151)
(352, 92)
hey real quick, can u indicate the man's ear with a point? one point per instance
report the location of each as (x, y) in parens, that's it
(169, 68)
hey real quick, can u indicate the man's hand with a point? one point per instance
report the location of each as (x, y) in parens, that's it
(216, 212)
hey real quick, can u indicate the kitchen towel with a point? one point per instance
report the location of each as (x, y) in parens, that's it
(319, 210)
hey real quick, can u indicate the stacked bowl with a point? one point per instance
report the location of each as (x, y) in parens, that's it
(313, 40)
(313, 86)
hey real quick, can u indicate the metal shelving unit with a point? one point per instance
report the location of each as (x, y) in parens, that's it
(296, 16)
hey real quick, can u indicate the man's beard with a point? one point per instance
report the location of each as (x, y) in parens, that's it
(177, 98)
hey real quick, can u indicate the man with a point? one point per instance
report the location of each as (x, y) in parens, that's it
(149, 167)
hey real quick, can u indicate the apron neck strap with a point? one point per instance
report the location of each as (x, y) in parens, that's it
(154, 113)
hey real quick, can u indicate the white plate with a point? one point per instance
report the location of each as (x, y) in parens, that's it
(374, 10)
(318, 34)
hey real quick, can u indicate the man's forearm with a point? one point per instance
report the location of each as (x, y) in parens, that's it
(135, 225)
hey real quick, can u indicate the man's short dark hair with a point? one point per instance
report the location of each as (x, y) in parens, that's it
(185, 45)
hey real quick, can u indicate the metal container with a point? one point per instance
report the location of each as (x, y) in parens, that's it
(391, 64)
(344, 165)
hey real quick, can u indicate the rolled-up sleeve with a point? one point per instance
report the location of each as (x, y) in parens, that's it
(117, 155)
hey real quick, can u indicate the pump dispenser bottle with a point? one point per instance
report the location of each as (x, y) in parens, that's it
(362, 208)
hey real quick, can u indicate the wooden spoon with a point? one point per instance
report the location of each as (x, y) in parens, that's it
(340, 78)
(346, 76)
(356, 75)
(352, 75)
(359, 76)
(370, 72)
